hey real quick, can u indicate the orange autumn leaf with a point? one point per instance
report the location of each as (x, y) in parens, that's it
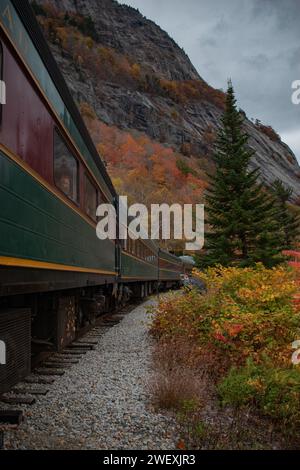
(181, 445)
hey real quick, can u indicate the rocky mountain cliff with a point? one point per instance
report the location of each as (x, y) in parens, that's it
(135, 77)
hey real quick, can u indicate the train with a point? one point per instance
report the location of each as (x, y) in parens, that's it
(56, 275)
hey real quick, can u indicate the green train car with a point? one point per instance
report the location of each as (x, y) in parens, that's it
(56, 276)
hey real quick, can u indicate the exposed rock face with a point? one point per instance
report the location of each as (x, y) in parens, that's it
(126, 30)
(129, 33)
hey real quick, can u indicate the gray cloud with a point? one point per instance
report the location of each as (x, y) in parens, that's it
(255, 42)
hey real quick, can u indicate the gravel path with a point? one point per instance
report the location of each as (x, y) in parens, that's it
(102, 402)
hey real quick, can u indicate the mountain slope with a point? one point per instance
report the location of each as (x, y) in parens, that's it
(135, 77)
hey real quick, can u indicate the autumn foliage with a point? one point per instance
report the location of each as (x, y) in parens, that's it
(247, 322)
(145, 170)
(245, 312)
(192, 90)
(268, 131)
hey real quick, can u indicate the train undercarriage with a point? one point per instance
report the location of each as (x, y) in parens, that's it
(33, 326)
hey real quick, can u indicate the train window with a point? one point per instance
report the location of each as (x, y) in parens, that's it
(65, 168)
(90, 198)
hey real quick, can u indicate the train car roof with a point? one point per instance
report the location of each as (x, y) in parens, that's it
(168, 255)
(31, 24)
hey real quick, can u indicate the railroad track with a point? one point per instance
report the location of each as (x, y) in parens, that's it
(55, 365)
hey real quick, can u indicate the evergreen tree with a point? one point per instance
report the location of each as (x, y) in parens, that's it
(241, 215)
(289, 221)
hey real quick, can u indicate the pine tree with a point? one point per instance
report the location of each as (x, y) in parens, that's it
(289, 221)
(241, 215)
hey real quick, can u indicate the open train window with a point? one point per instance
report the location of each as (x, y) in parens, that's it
(90, 198)
(66, 168)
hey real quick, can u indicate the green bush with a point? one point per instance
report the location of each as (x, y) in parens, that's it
(275, 391)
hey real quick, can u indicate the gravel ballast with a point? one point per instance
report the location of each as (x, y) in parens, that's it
(102, 402)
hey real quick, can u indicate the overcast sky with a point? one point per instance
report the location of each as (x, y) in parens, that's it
(255, 42)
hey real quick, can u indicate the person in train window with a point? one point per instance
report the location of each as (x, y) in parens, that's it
(66, 169)
(91, 198)
(65, 185)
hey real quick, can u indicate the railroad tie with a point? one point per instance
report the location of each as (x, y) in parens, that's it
(50, 372)
(30, 391)
(17, 400)
(83, 346)
(62, 360)
(56, 365)
(76, 352)
(88, 342)
(35, 379)
(14, 417)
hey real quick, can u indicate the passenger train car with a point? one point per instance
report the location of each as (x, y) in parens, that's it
(56, 276)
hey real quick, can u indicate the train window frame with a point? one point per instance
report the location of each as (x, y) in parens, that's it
(88, 178)
(57, 132)
(102, 199)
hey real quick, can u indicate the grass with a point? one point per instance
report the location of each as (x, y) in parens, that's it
(174, 384)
